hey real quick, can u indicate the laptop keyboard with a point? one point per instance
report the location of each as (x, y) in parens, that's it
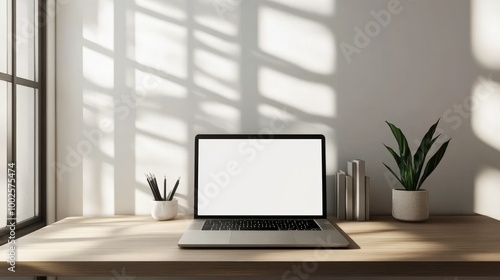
(262, 224)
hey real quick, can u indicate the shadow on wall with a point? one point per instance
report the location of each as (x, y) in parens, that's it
(483, 105)
(156, 73)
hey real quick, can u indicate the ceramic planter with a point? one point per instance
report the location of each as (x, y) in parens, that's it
(410, 206)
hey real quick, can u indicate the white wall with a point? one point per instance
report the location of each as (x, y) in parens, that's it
(136, 80)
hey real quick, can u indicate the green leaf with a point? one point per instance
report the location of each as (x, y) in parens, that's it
(404, 149)
(393, 153)
(394, 174)
(433, 162)
(405, 159)
(434, 139)
(423, 149)
(406, 171)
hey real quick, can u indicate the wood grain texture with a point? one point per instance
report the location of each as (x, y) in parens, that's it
(141, 246)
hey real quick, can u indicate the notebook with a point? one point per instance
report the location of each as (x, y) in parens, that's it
(260, 190)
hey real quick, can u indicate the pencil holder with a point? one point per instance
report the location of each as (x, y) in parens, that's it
(164, 210)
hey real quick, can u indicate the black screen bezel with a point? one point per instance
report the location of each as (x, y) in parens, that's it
(260, 136)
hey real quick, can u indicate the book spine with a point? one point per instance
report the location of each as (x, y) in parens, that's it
(349, 198)
(367, 193)
(360, 189)
(351, 171)
(340, 180)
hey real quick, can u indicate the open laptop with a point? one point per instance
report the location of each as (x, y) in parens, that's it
(260, 191)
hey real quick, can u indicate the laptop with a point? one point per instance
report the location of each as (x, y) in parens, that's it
(260, 190)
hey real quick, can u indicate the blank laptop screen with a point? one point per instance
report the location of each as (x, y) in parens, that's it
(260, 177)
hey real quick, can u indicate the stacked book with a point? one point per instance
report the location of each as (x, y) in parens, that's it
(353, 192)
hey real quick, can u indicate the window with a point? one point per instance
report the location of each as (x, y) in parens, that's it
(22, 116)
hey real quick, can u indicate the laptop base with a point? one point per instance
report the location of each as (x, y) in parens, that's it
(328, 237)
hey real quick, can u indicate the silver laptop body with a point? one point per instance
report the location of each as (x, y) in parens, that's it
(264, 180)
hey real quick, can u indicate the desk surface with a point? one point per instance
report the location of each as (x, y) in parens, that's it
(138, 245)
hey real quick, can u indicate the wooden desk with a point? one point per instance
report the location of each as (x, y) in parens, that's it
(140, 246)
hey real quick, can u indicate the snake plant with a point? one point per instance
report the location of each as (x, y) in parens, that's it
(411, 167)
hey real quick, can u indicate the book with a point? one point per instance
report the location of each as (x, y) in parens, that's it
(351, 171)
(367, 198)
(349, 198)
(359, 180)
(340, 180)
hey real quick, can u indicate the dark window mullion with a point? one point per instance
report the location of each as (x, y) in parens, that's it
(42, 105)
(35, 149)
(11, 123)
(35, 47)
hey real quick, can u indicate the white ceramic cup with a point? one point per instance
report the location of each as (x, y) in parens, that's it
(164, 210)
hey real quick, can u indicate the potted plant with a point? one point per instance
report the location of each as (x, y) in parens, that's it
(412, 202)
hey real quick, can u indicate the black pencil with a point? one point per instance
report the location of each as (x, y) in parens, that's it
(172, 193)
(150, 186)
(165, 188)
(154, 187)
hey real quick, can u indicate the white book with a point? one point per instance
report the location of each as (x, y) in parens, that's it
(340, 180)
(367, 196)
(351, 171)
(360, 189)
(349, 198)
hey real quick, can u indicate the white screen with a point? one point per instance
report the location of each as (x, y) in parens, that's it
(259, 177)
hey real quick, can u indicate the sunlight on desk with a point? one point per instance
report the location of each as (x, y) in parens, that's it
(93, 246)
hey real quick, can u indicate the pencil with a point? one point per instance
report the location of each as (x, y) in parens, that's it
(165, 188)
(150, 183)
(172, 193)
(154, 187)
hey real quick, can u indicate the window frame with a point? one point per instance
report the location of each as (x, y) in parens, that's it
(38, 221)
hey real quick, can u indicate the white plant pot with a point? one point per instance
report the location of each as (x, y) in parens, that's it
(164, 210)
(410, 206)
